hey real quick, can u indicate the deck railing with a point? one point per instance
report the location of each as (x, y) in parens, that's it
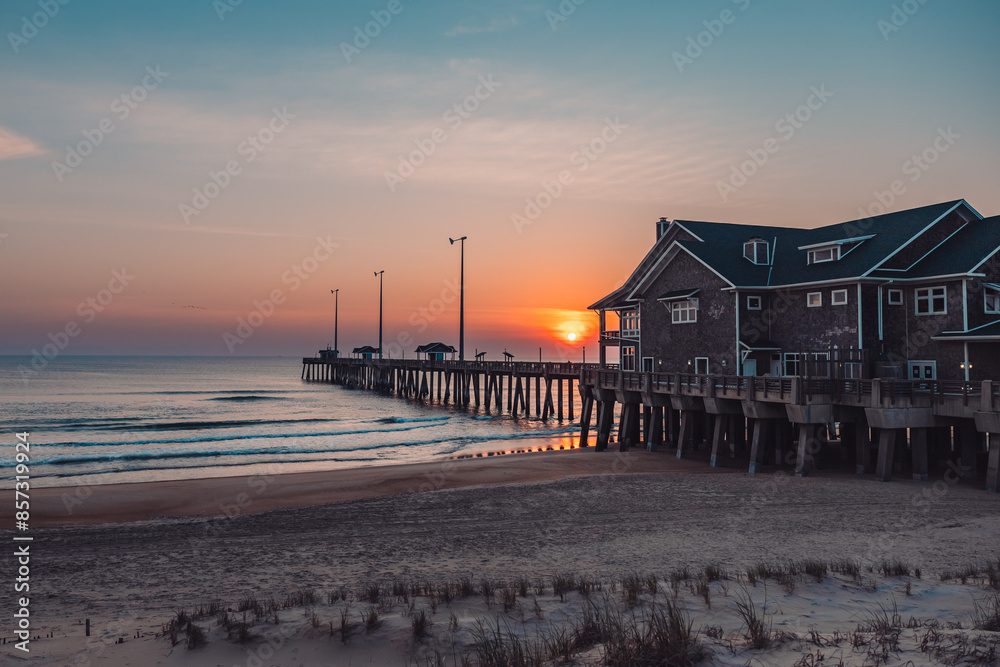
(714, 386)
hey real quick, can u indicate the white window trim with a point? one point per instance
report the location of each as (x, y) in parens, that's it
(898, 301)
(708, 368)
(834, 255)
(922, 364)
(689, 306)
(754, 249)
(759, 301)
(631, 357)
(996, 295)
(833, 297)
(787, 357)
(930, 299)
(628, 318)
(819, 302)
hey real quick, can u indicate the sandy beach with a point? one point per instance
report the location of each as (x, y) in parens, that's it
(129, 557)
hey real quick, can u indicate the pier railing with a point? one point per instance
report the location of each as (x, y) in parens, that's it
(784, 388)
(509, 367)
(789, 389)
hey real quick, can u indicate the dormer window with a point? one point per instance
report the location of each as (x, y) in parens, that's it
(756, 250)
(832, 251)
(991, 296)
(827, 254)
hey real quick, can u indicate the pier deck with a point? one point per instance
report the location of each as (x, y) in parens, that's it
(886, 427)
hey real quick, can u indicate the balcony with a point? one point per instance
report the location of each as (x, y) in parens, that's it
(615, 337)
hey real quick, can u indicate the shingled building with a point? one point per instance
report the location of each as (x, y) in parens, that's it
(908, 295)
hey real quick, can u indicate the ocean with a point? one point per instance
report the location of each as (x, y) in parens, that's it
(107, 420)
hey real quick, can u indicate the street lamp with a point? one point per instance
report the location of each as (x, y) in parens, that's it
(379, 275)
(336, 304)
(461, 302)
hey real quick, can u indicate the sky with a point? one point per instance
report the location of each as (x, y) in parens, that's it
(196, 176)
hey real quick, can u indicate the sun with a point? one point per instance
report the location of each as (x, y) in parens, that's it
(571, 336)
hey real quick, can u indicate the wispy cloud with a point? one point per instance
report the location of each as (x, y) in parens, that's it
(13, 145)
(496, 25)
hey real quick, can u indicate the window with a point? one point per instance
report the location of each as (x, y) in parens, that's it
(931, 301)
(923, 370)
(630, 322)
(753, 303)
(814, 299)
(701, 365)
(684, 312)
(852, 370)
(755, 250)
(838, 297)
(791, 363)
(628, 358)
(992, 301)
(820, 255)
(895, 297)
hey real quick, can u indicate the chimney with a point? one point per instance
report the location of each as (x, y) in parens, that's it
(661, 227)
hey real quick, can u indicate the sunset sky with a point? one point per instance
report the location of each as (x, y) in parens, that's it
(116, 115)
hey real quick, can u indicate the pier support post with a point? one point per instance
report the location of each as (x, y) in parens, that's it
(605, 419)
(585, 412)
(886, 449)
(684, 437)
(804, 455)
(918, 453)
(864, 448)
(993, 464)
(628, 429)
(719, 445)
(647, 416)
(761, 431)
(969, 442)
(538, 395)
(527, 396)
(655, 438)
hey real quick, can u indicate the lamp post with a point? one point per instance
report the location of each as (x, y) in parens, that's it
(461, 302)
(379, 274)
(336, 304)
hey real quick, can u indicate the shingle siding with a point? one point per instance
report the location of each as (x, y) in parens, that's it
(712, 336)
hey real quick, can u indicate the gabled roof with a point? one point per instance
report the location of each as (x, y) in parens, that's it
(435, 348)
(723, 247)
(366, 349)
(866, 244)
(963, 252)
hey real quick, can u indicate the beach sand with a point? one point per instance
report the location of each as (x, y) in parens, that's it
(128, 557)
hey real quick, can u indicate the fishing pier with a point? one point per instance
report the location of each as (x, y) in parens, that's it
(885, 427)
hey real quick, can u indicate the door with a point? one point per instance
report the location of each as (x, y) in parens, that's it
(750, 367)
(923, 370)
(647, 364)
(775, 365)
(701, 365)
